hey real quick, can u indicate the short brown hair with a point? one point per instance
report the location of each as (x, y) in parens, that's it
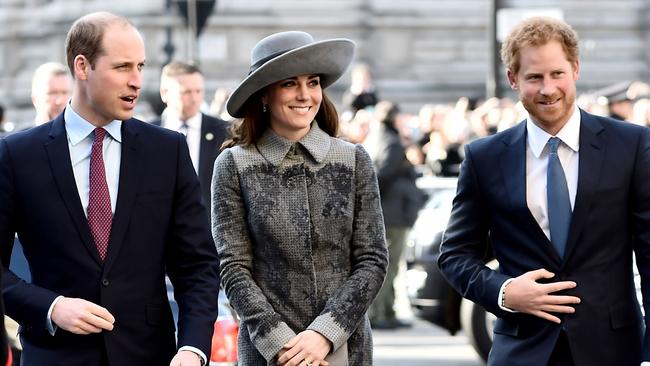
(86, 35)
(538, 31)
(250, 129)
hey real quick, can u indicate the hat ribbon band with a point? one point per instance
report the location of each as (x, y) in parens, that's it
(261, 62)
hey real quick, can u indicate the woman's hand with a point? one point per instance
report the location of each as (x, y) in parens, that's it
(308, 348)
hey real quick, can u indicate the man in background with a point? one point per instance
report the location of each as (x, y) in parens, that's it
(51, 88)
(182, 90)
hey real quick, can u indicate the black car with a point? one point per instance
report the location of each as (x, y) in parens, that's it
(431, 297)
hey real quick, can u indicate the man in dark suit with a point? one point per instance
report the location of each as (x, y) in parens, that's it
(105, 206)
(181, 89)
(564, 200)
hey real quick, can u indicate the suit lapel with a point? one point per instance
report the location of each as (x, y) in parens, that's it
(206, 149)
(513, 171)
(128, 185)
(59, 157)
(589, 169)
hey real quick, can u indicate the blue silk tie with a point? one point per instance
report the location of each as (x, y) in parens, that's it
(559, 204)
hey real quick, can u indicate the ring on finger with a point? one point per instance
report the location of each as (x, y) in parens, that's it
(308, 363)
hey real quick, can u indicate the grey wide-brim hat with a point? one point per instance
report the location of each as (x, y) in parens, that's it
(287, 54)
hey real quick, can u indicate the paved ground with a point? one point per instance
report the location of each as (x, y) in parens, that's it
(421, 345)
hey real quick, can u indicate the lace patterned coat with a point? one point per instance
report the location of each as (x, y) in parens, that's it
(299, 231)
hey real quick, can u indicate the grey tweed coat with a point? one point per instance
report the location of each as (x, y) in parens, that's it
(299, 231)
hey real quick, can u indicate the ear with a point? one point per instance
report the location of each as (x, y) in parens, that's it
(265, 99)
(512, 79)
(81, 67)
(576, 70)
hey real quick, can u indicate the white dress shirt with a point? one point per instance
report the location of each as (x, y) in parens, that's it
(80, 142)
(537, 151)
(193, 133)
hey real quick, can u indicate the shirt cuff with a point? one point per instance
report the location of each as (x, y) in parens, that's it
(645, 363)
(51, 327)
(204, 360)
(500, 298)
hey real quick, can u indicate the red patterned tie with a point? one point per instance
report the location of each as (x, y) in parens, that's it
(100, 215)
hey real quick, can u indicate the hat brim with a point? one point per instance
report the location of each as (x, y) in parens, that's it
(328, 58)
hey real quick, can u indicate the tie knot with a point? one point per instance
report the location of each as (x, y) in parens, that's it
(553, 143)
(99, 134)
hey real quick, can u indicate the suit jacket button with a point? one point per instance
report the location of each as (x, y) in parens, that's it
(106, 282)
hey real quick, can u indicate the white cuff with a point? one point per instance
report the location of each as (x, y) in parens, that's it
(500, 298)
(645, 363)
(51, 327)
(197, 351)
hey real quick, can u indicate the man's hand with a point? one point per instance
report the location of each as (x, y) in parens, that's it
(308, 348)
(186, 358)
(525, 295)
(79, 316)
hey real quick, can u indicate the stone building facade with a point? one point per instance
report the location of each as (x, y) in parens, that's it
(420, 51)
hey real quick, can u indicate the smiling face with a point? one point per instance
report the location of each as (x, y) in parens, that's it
(110, 89)
(293, 104)
(546, 82)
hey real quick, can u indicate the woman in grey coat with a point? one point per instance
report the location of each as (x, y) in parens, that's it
(296, 213)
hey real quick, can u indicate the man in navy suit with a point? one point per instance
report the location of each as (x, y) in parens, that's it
(181, 88)
(563, 200)
(105, 206)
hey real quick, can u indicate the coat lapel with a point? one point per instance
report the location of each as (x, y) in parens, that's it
(589, 169)
(128, 185)
(59, 157)
(513, 171)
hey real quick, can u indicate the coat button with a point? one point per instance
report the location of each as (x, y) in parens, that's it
(106, 282)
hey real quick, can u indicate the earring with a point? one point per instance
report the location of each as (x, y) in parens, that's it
(264, 108)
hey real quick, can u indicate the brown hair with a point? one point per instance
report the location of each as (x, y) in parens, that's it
(538, 31)
(248, 130)
(86, 35)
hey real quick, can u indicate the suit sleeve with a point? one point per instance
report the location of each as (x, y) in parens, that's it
(26, 303)
(230, 231)
(641, 224)
(464, 244)
(192, 262)
(345, 310)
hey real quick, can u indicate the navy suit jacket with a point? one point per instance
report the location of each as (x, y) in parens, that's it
(611, 219)
(159, 226)
(213, 133)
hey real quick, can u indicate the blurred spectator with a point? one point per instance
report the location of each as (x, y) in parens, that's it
(356, 129)
(51, 88)
(362, 93)
(400, 202)
(218, 104)
(619, 103)
(182, 90)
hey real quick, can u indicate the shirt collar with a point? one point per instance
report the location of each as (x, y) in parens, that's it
(569, 134)
(173, 123)
(78, 128)
(274, 147)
